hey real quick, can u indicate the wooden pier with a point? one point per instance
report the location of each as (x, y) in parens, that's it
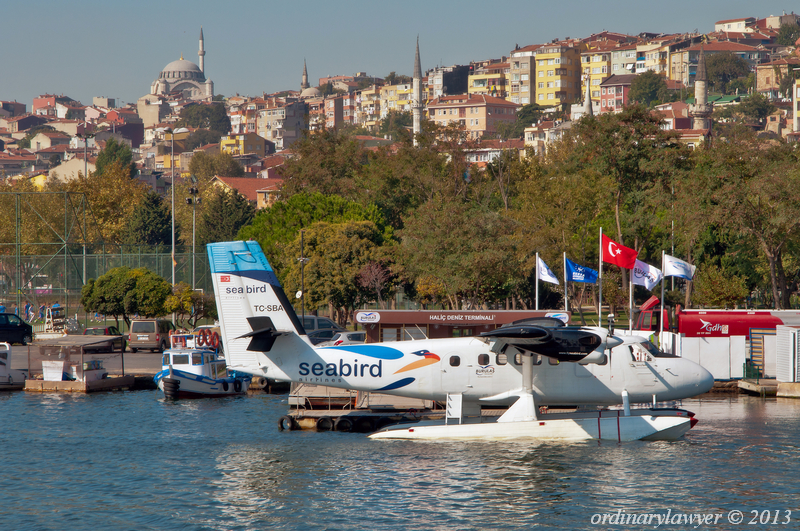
(118, 383)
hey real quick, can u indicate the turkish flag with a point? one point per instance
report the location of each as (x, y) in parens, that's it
(617, 254)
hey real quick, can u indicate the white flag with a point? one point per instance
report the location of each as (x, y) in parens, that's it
(675, 267)
(645, 275)
(545, 274)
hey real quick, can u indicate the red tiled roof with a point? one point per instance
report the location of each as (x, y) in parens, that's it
(248, 186)
(723, 46)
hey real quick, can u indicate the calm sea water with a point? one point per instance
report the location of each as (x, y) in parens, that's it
(135, 461)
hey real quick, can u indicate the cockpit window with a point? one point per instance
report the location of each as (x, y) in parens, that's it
(654, 350)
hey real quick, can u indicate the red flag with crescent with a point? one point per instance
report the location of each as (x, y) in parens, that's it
(617, 254)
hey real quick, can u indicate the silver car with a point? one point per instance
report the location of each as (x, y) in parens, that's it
(345, 338)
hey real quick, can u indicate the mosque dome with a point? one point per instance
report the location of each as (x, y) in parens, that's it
(182, 69)
(310, 92)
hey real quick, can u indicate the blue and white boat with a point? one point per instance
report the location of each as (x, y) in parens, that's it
(193, 368)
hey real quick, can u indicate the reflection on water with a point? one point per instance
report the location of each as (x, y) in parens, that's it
(136, 461)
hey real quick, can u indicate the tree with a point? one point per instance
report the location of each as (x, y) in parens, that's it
(466, 247)
(336, 254)
(277, 226)
(395, 79)
(788, 34)
(205, 116)
(527, 116)
(201, 137)
(718, 288)
(647, 88)
(112, 196)
(396, 124)
(756, 107)
(150, 223)
(190, 305)
(115, 152)
(205, 166)
(226, 212)
(374, 277)
(724, 67)
(123, 292)
(25, 142)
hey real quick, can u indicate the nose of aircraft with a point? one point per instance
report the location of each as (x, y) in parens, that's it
(694, 377)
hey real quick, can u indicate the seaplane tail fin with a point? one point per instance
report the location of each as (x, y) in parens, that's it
(252, 306)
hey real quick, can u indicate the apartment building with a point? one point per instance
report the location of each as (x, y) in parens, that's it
(558, 73)
(446, 81)
(396, 98)
(489, 77)
(368, 107)
(522, 73)
(243, 144)
(479, 114)
(614, 92)
(596, 65)
(282, 121)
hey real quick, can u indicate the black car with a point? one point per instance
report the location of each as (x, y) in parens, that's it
(325, 334)
(115, 343)
(14, 330)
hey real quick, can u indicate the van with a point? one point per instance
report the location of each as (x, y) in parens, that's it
(313, 322)
(150, 334)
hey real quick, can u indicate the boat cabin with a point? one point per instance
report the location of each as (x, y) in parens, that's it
(201, 362)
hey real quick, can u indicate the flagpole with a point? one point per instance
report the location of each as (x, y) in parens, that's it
(566, 286)
(630, 301)
(661, 317)
(537, 280)
(600, 284)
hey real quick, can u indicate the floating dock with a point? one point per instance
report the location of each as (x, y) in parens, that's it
(760, 387)
(118, 383)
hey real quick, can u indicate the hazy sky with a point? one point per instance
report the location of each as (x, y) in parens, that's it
(114, 48)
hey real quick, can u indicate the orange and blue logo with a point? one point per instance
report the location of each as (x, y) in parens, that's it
(428, 358)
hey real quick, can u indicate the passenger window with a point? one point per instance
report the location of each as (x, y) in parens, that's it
(502, 359)
(553, 361)
(178, 359)
(165, 360)
(483, 359)
(197, 358)
(517, 359)
(537, 359)
(455, 361)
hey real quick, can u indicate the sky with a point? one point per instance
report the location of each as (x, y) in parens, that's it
(116, 49)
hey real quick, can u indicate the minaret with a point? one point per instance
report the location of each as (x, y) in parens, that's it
(304, 84)
(416, 96)
(587, 102)
(202, 52)
(701, 110)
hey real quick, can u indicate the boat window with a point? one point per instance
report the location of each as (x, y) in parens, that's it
(502, 359)
(455, 361)
(518, 358)
(553, 361)
(197, 358)
(178, 359)
(165, 360)
(537, 359)
(4, 355)
(483, 359)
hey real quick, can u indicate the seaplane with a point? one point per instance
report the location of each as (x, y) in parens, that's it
(526, 366)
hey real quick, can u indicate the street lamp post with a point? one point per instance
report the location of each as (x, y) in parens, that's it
(172, 190)
(194, 201)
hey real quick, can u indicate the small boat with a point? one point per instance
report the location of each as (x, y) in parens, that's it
(10, 379)
(194, 368)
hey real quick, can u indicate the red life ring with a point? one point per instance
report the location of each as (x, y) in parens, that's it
(215, 340)
(202, 338)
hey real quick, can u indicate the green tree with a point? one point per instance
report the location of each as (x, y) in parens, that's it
(226, 211)
(205, 116)
(151, 223)
(788, 34)
(337, 254)
(527, 116)
(724, 67)
(756, 107)
(25, 142)
(648, 88)
(394, 79)
(397, 124)
(189, 305)
(469, 249)
(115, 152)
(277, 226)
(202, 137)
(716, 287)
(123, 292)
(205, 166)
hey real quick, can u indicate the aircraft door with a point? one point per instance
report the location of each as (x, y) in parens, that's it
(456, 370)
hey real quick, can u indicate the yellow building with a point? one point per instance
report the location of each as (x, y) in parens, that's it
(368, 107)
(558, 73)
(242, 144)
(396, 98)
(489, 78)
(596, 65)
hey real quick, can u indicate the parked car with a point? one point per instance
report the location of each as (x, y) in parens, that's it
(14, 330)
(150, 334)
(313, 322)
(345, 338)
(325, 334)
(115, 343)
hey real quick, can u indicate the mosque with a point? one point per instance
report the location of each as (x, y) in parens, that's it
(186, 77)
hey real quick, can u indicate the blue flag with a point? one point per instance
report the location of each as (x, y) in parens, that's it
(579, 273)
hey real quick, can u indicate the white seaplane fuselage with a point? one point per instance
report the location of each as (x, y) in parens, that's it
(263, 336)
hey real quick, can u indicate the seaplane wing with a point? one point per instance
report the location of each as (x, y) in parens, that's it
(563, 344)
